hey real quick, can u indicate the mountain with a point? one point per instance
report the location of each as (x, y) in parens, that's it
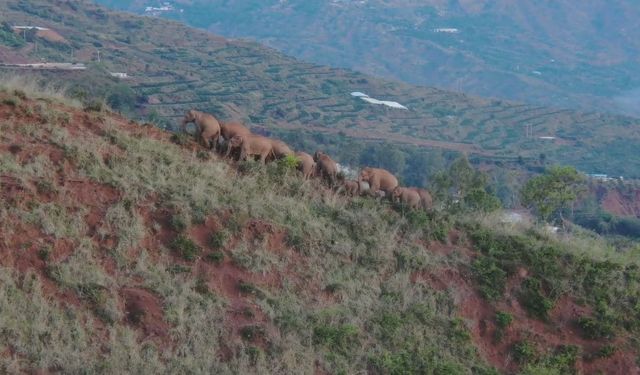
(128, 249)
(172, 68)
(561, 53)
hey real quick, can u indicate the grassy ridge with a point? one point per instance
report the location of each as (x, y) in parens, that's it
(125, 252)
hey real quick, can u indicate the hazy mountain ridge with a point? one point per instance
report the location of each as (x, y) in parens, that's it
(173, 68)
(559, 53)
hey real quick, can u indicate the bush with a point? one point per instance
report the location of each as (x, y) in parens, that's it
(605, 352)
(533, 300)
(524, 352)
(491, 277)
(181, 139)
(215, 257)
(218, 239)
(252, 332)
(596, 328)
(503, 319)
(186, 248)
(94, 106)
(341, 337)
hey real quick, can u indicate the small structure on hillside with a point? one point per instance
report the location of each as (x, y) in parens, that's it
(119, 75)
(371, 100)
(29, 28)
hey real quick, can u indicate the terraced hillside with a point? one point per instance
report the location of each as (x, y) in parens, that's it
(561, 53)
(122, 252)
(173, 67)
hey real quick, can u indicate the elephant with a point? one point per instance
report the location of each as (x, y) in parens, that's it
(378, 179)
(350, 187)
(280, 149)
(408, 197)
(425, 198)
(229, 130)
(252, 146)
(306, 164)
(207, 127)
(326, 167)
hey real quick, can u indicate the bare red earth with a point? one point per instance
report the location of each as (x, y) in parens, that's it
(547, 336)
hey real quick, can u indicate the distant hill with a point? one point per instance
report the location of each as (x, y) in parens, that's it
(124, 252)
(564, 53)
(173, 67)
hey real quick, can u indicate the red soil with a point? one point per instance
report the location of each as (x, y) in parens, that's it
(617, 203)
(144, 310)
(546, 336)
(21, 249)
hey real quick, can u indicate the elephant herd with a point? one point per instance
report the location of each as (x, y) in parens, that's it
(242, 144)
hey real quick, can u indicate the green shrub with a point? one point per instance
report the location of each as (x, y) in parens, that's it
(178, 223)
(289, 162)
(533, 300)
(218, 239)
(182, 139)
(11, 101)
(524, 352)
(503, 319)
(564, 359)
(248, 288)
(491, 277)
(186, 248)
(340, 338)
(175, 269)
(44, 253)
(94, 106)
(252, 332)
(215, 257)
(596, 328)
(459, 331)
(605, 352)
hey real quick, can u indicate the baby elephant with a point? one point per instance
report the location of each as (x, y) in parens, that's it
(350, 187)
(306, 165)
(408, 197)
(252, 146)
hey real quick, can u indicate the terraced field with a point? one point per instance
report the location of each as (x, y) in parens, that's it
(174, 68)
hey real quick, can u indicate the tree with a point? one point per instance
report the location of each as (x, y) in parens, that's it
(464, 187)
(552, 192)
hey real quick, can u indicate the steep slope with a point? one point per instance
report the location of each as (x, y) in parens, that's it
(576, 54)
(123, 252)
(173, 67)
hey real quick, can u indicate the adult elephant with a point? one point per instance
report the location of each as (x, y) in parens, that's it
(378, 179)
(326, 167)
(252, 146)
(425, 198)
(207, 127)
(229, 130)
(306, 164)
(407, 197)
(280, 149)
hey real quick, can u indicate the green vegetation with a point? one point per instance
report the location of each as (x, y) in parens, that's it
(185, 247)
(552, 192)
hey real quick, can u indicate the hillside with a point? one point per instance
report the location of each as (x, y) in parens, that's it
(562, 53)
(121, 251)
(173, 68)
